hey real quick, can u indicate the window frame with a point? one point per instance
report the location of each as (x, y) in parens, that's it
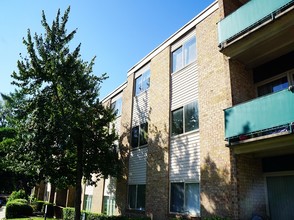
(142, 79)
(185, 212)
(140, 132)
(183, 108)
(288, 74)
(136, 197)
(114, 106)
(183, 47)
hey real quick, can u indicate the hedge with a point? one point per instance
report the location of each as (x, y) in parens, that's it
(21, 194)
(69, 213)
(16, 209)
(38, 205)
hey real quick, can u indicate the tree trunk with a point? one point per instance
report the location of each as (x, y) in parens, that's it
(79, 177)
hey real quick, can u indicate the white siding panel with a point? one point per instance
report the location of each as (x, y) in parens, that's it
(137, 166)
(140, 108)
(184, 86)
(117, 122)
(185, 157)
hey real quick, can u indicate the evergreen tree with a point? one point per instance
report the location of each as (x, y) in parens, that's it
(63, 128)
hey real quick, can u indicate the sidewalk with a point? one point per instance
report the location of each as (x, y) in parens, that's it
(2, 212)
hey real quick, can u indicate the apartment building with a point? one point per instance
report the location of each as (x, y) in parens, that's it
(205, 120)
(172, 127)
(257, 38)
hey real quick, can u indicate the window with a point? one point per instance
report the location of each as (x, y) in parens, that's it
(184, 198)
(142, 83)
(273, 86)
(185, 119)
(117, 106)
(140, 135)
(136, 198)
(87, 202)
(184, 55)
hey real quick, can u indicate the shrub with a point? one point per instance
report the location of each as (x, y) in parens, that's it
(50, 209)
(69, 214)
(215, 218)
(17, 195)
(37, 205)
(24, 201)
(16, 209)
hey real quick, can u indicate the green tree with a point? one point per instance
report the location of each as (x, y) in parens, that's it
(64, 128)
(12, 177)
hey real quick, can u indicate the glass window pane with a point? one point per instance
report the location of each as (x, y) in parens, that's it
(116, 106)
(192, 200)
(132, 196)
(177, 121)
(191, 117)
(143, 134)
(135, 136)
(146, 80)
(139, 87)
(177, 197)
(141, 197)
(190, 51)
(177, 59)
(273, 86)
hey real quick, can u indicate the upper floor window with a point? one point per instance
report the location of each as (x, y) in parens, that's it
(185, 119)
(142, 83)
(117, 106)
(275, 84)
(140, 135)
(184, 55)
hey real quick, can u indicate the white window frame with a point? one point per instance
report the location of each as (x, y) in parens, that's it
(184, 182)
(182, 46)
(114, 107)
(142, 76)
(289, 74)
(136, 208)
(184, 123)
(139, 135)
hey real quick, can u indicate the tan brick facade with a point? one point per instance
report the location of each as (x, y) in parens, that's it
(214, 96)
(125, 136)
(158, 144)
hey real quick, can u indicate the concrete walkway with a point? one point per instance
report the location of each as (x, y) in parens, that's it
(2, 212)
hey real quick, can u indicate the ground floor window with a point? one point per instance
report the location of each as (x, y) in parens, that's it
(87, 202)
(184, 198)
(136, 196)
(108, 205)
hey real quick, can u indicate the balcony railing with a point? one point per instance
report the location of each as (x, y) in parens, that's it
(264, 115)
(248, 16)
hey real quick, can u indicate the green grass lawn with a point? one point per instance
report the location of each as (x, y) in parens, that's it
(33, 218)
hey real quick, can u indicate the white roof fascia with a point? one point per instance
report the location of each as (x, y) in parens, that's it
(197, 19)
(115, 92)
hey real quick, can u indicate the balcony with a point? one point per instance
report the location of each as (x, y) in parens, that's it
(259, 31)
(261, 122)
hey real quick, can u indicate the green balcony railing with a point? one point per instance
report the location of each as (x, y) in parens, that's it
(260, 114)
(247, 16)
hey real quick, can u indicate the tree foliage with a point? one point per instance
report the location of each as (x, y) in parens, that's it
(14, 174)
(64, 128)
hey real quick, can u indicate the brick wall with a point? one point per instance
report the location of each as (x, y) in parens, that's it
(251, 186)
(214, 96)
(158, 131)
(125, 135)
(228, 6)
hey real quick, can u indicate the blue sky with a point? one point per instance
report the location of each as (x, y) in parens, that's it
(119, 32)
